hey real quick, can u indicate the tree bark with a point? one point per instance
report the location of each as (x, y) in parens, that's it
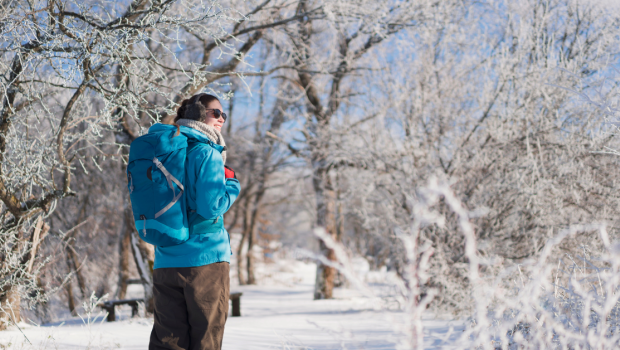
(250, 257)
(125, 255)
(253, 227)
(74, 264)
(73, 260)
(146, 273)
(143, 259)
(9, 306)
(10, 295)
(319, 145)
(325, 204)
(70, 298)
(148, 254)
(248, 232)
(42, 309)
(244, 235)
(339, 279)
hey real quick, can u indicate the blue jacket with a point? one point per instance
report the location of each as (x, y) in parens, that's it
(209, 195)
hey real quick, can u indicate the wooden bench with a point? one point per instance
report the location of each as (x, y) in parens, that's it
(108, 306)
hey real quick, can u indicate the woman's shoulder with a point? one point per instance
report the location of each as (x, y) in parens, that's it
(202, 151)
(199, 150)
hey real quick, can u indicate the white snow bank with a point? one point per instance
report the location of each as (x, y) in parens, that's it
(278, 315)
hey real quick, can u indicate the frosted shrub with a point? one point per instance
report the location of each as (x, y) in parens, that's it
(558, 300)
(566, 302)
(410, 287)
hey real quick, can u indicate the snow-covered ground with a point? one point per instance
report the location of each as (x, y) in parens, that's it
(278, 314)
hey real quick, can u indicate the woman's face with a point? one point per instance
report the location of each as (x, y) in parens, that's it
(211, 120)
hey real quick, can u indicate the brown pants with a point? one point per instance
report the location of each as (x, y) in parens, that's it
(191, 307)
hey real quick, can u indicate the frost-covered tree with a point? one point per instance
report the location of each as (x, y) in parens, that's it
(489, 107)
(325, 57)
(80, 80)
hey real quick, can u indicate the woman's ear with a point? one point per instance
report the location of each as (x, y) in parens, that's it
(196, 111)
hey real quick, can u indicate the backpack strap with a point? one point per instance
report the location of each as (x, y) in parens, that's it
(170, 179)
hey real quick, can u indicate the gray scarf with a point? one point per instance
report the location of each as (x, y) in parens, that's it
(209, 131)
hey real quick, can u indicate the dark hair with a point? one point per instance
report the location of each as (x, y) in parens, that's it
(195, 107)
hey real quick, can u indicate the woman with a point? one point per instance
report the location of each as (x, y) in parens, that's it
(190, 280)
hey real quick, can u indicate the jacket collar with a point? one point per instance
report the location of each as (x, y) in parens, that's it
(194, 135)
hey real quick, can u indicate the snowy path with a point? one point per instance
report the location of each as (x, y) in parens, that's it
(276, 318)
(289, 319)
(273, 317)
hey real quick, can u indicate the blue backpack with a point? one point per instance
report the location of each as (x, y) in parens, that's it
(155, 176)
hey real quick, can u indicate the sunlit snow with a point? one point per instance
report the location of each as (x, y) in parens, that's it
(277, 314)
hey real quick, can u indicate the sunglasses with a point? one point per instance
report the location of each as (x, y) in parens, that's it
(217, 113)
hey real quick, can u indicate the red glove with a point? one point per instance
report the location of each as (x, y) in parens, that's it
(229, 173)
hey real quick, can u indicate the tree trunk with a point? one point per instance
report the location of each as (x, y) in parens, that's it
(70, 298)
(244, 234)
(325, 275)
(9, 306)
(252, 231)
(325, 209)
(75, 265)
(248, 231)
(125, 255)
(73, 260)
(42, 309)
(250, 258)
(10, 298)
(340, 279)
(148, 254)
(143, 259)
(240, 264)
(145, 272)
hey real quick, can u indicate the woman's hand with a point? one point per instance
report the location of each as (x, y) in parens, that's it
(229, 173)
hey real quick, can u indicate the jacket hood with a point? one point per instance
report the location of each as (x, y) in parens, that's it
(192, 135)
